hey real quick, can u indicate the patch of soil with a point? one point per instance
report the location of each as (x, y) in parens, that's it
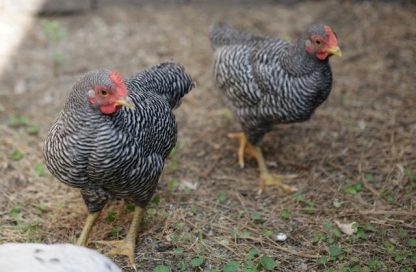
(355, 159)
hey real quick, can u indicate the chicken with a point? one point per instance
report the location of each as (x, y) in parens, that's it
(112, 138)
(270, 81)
(53, 258)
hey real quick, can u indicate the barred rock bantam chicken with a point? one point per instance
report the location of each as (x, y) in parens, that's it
(270, 81)
(16, 257)
(112, 137)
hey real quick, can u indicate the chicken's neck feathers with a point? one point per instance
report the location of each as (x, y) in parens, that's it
(297, 62)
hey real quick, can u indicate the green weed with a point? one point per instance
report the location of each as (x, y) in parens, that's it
(16, 155)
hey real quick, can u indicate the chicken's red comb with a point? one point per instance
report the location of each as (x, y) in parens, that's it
(332, 38)
(118, 81)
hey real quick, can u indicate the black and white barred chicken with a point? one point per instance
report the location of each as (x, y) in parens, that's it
(112, 138)
(270, 81)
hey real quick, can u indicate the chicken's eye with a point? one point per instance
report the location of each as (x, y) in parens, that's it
(103, 93)
(318, 42)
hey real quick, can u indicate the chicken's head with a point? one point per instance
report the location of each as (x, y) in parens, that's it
(108, 92)
(321, 42)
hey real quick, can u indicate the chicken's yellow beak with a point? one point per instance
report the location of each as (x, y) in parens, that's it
(125, 102)
(334, 51)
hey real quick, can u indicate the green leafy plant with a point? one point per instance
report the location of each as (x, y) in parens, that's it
(151, 211)
(227, 114)
(111, 216)
(369, 177)
(249, 266)
(309, 204)
(299, 197)
(182, 266)
(55, 34)
(244, 234)
(162, 268)
(231, 267)
(353, 188)
(116, 232)
(156, 199)
(178, 251)
(388, 196)
(334, 251)
(267, 233)
(362, 231)
(16, 155)
(40, 170)
(285, 214)
(221, 197)
(18, 121)
(411, 242)
(333, 234)
(53, 31)
(174, 151)
(130, 207)
(256, 217)
(15, 211)
(173, 165)
(42, 207)
(33, 129)
(323, 260)
(197, 262)
(267, 263)
(410, 174)
(403, 233)
(173, 184)
(376, 265)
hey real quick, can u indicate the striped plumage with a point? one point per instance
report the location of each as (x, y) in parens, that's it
(119, 155)
(268, 81)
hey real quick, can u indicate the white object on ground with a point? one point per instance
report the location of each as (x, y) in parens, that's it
(53, 258)
(281, 237)
(346, 228)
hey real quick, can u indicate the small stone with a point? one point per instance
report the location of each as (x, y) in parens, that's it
(281, 237)
(361, 124)
(20, 86)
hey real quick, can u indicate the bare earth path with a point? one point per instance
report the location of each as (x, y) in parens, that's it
(355, 159)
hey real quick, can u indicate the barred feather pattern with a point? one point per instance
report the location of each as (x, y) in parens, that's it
(173, 87)
(119, 155)
(268, 81)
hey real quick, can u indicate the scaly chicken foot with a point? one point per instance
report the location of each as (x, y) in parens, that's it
(266, 178)
(86, 230)
(127, 246)
(241, 137)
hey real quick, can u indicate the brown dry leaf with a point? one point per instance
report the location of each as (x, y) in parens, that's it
(188, 184)
(346, 228)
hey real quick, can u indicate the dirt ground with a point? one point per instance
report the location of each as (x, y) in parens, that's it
(355, 159)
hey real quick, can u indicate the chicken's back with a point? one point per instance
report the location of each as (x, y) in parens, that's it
(221, 34)
(238, 58)
(167, 80)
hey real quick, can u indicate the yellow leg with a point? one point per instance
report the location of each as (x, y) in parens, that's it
(241, 149)
(89, 223)
(266, 177)
(128, 245)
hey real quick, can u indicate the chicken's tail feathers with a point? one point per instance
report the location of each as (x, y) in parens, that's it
(221, 34)
(167, 79)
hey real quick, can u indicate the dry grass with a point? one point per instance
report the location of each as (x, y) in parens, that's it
(355, 159)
